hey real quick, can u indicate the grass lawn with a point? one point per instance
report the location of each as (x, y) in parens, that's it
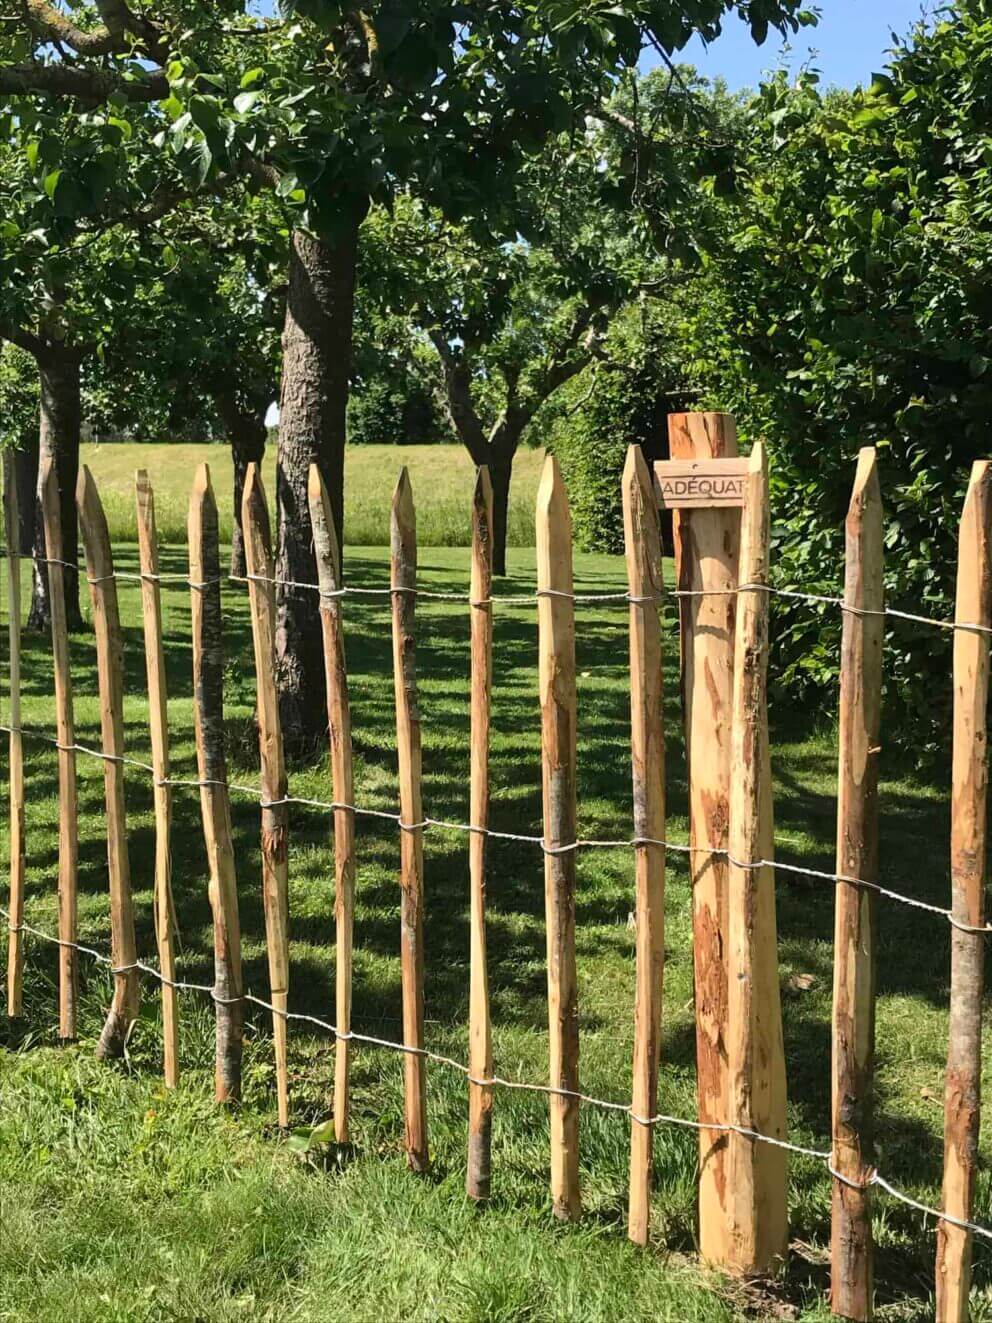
(121, 1201)
(442, 476)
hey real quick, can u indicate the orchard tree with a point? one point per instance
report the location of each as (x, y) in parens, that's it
(334, 106)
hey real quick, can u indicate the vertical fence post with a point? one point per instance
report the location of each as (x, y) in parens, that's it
(969, 787)
(15, 950)
(158, 720)
(65, 729)
(109, 660)
(403, 573)
(275, 813)
(215, 806)
(707, 543)
(853, 1056)
(328, 556)
(756, 1172)
(642, 539)
(479, 1174)
(556, 645)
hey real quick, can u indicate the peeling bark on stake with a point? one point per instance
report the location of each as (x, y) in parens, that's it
(403, 565)
(15, 902)
(853, 1058)
(109, 660)
(969, 793)
(757, 1173)
(65, 729)
(480, 1097)
(328, 557)
(707, 547)
(642, 537)
(215, 805)
(556, 646)
(158, 722)
(275, 814)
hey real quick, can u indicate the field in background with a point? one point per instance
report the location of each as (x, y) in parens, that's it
(122, 1201)
(442, 477)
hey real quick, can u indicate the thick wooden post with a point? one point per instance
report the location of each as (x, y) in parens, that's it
(707, 548)
(969, 794)
(642, 539)
(328, 556)
(756, 1173)
(65, 729)
(556, 648)
(215, 806)
(275, 813)
(853, 1057)
(15, 904)
(403, 567)
(158, 720)
(109, 661)
(480, 1096)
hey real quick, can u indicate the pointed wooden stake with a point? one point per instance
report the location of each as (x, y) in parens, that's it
(480, 1097)
(15, 902)
(403, 562)
(51, 513)
(642, 538)
(275, 815)
(215, 807)
(158, 721)
(328, 556)
(853, 1059)
(707, 546)
(756, 1173)
(556, 647)
(969, 843)
(109, 660)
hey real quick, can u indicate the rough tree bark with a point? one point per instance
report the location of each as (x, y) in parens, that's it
(26, 479)
(316, 365)
(246, 432)
(61, 414)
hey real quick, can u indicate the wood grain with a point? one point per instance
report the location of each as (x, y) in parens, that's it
(853, 1048)
(707, 549)
(556, 653)
(275, 814)
(211, 762)
(110, 662)
(15, 899)
(328, 558)
(756, 1173)
(642, 541)
(479, 1173)
(65, 729)
(158, 723)
(969, 848)
(403, 576)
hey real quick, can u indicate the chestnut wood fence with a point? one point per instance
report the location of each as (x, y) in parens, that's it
(724, 585)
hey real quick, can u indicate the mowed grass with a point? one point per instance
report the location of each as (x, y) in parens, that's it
(123, 1201)
(442, 476)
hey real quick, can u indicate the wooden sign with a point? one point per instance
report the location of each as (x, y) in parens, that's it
(695, 484)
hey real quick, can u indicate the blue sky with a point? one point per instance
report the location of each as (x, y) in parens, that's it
(848, 44)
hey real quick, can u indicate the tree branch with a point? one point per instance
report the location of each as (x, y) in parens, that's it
(64, 80)
(458, 398)
(31, 344)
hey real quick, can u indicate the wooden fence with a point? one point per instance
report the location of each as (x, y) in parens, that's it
(721, 526)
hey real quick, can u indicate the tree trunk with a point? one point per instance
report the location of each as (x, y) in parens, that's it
(247, 435)
(26, 479)
(316, 365)
(502, 452)
(61, 412)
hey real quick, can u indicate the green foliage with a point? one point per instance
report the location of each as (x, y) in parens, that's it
(18, 397)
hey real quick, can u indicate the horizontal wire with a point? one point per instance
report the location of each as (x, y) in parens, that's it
(359, 590)
(582, 843)
(498, 1081)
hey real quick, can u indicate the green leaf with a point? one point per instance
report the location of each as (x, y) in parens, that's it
(244, 101)
(31, 152)
(252, 76)
(52, 183)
